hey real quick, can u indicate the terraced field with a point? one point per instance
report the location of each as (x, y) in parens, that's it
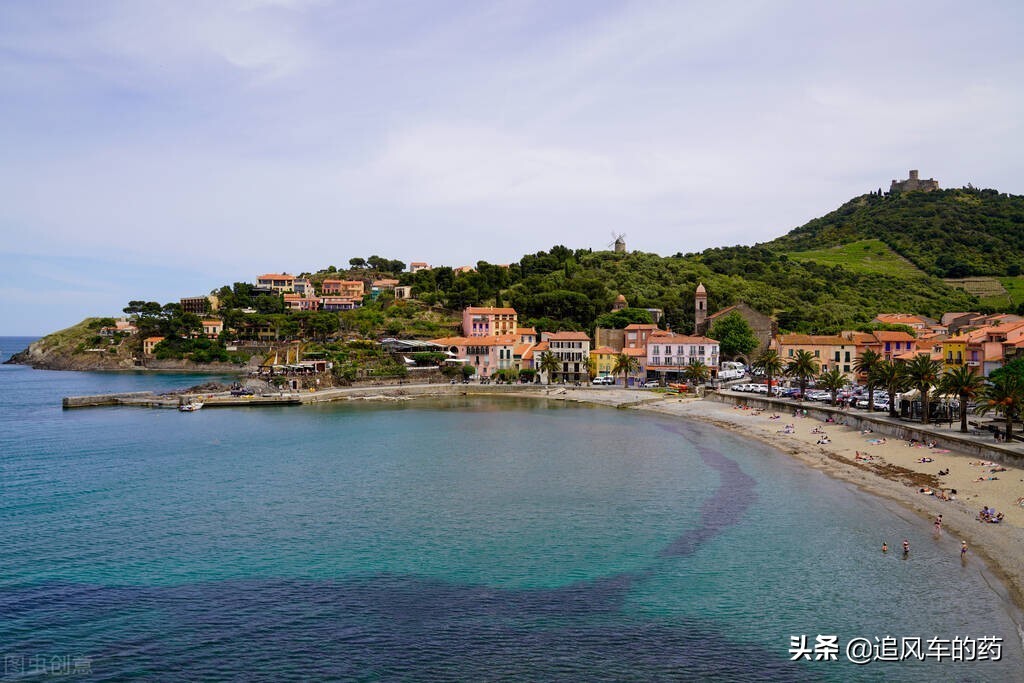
(864, 256)
(989, 290)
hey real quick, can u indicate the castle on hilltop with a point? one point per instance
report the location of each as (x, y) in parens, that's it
(913, 183)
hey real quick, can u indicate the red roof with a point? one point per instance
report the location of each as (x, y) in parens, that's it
(885, 335)
(604, 350)
(684, 339)
(641, 326)
(569, 336)
(276, 276)
(490, 310)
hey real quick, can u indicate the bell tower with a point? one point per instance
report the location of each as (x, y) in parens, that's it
(700, 308)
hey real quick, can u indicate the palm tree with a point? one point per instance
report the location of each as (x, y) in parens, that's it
(624, 365)
(549, 364)
(922, 374)
(591, 367)
(696, 372)
(890, 375)
(769, 364)
(1004, 396)
(832, 381)
(866, 363)
(803, 366)
(965, 384)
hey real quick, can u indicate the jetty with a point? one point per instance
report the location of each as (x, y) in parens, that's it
(148, 399)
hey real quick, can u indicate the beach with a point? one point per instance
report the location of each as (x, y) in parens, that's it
(892, 469)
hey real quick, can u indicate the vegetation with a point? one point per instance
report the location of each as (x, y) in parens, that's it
(734, 335)
(1004, 396)
(923, 373)
(963, 383)
(769, 364)
(832, 381)
(802, 366)
(946, 233)
(625, 365)
(867, 364)
(863, 256)
(696, 372)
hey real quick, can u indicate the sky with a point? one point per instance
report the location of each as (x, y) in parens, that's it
(153, 150)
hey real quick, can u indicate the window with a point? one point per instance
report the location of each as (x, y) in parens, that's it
(657, 351)
(700, 350)
(847, 357)
(817, 353)
(846, 368)
(837, 356)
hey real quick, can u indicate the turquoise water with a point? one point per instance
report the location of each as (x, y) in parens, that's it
(460, 539)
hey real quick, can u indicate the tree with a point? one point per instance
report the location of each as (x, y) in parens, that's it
(802, 366)
(591, 366)
(890, 375)
(769, 364)
(965, 384)
(549, 364)
(866, 363)
(357, 262)
(696, 372)
(1004, 396)
(832, 381)
(734, 334)
(625, 365)
(923, 373)
(627, 316)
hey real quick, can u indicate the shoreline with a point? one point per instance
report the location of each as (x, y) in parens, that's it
(892, 474)
(1000, 547)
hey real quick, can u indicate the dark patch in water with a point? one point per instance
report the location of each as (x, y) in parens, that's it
(371, 628)
(736, 492)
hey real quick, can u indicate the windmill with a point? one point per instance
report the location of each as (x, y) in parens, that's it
(618, 242)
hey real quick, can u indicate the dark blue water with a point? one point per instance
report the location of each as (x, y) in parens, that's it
(445, 540)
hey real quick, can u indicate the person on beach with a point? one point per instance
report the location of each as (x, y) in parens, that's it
(906, 547)
(938, 525)
(963, 550)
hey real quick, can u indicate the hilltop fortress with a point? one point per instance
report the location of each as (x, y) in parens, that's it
(913, 183)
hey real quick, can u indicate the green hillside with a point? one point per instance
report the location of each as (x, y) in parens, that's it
(946, 233)
(566, 289)
(865, 256)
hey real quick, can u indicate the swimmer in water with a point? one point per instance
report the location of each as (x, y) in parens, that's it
(963, 550)
(885, 547)
(906, 547)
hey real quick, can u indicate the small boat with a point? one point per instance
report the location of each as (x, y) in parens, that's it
(190, 407)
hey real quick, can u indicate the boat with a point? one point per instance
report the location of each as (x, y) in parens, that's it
(190, 407)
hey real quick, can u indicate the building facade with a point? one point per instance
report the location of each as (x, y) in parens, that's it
(479, 321)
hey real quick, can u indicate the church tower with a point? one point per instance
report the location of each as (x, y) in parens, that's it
(700, 309)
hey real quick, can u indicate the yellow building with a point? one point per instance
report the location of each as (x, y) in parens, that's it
(954, 350)
(604, 358)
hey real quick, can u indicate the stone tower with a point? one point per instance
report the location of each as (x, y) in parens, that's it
(620, 244)
(700, 308)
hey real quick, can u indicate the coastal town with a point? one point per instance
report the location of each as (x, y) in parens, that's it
(494, 346)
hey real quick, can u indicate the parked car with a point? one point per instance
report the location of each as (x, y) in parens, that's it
(650, 384)
(608, 379)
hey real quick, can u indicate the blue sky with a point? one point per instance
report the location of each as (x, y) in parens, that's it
(152, 150)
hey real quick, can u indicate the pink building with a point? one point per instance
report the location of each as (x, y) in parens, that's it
(352, 289)
(668, 354)
(478, 321)
(487, 354)
(298, 302)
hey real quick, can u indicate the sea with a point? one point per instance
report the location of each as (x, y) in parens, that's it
(463, 539)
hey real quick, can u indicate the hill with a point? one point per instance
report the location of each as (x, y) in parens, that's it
(946, 233)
